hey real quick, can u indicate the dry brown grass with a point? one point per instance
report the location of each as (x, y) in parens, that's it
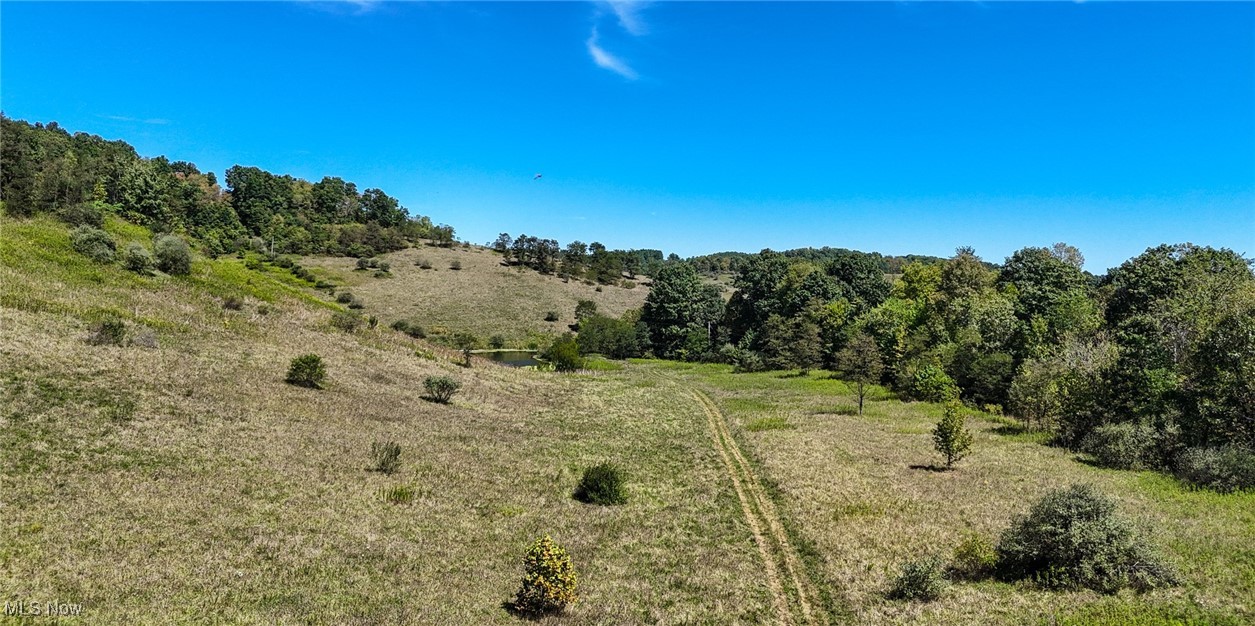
(190, 484)
(484, 297)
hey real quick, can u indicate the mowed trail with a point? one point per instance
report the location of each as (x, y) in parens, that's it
(764, 522)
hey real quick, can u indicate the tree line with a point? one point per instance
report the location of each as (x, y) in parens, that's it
(578, 260)
(47, 169)
(1157, 354)
(732, 262)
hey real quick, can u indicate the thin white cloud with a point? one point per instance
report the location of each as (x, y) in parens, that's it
(629, 16)
(608, 61)
(124, 118)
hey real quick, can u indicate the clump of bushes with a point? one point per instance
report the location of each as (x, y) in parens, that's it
(931, 383)
(384, 266)
(423, 264)
(1122, 446)
(364, 264)
(455, 265)
(233, 303)
(551, 316)
(307, 370)
(173, 255)
(564, 354)
(138, 259)
(83, 214)
(347, 322)
(951, 437)
(549, 581)
(1230, 468)
(409, 328)
(93, 243)
(441, 388)
(385, 457)
(496, 342)
(604, 484)
(922, 580)
(344, 297)
(356, 304)
(1074, 538)
(108, 332)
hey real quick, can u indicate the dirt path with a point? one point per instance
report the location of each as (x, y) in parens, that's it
(764, 521)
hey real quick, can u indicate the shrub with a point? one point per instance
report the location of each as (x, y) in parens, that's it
(583, 309)
(455, 265)
(363, 264)
(551, 316)
(933, 384)
(372, 322)
(1231, 468)
(233, 303)
(382, 274)
(602, 484)
(93, 243)
(1122, 446)
(83, 214)
(424, 264)
(1074, 538)
(347, 322)
(356, 304)
(109, 332)
(951, 437)
(285, 262)
(344, 297)
(138, 259)
(413, 330)
(441, 388)
(385, 457)
(307, 371)
(385, 266)
(548, 580)
(923, 580)
(564, 354)
(173, 255)
(974, 558)
(496, 342)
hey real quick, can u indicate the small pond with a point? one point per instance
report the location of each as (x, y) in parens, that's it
(513, 358)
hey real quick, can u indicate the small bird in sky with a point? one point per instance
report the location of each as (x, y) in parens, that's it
(536, 177)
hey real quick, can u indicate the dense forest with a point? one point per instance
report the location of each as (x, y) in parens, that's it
(81, 177)
(732, 262)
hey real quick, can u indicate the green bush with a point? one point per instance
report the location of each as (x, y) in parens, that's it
(173, 255)
(400, 494)
(307, 371)
(93, 243)
(344, 297)
(413, 330)
(83, 214)
(1074, 538)
(108, 332)
(932, 384)
(923, 580)
(1231, 468)
(385, 457)
(602, 484)
(363, 264)
(441, 388)
(551, 316)
(951, 437)
(233, 303)
(138, 259)
(423, 264)
(385, 266)
(564, 354)
(356, 304)
(347, 322)
(549, 581)
(455, 265)
(1122, 446)
(974, 558)
(496, 342)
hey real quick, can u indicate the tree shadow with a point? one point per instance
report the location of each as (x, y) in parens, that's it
(515, 612)
(1009, 430)
(930, 468)
(793, 375)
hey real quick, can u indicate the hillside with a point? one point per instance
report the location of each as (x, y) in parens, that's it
(485, 297)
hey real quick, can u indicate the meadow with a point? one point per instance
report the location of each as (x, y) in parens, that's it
(177, 479)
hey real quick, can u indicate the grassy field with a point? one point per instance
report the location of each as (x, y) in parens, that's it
(860, 493)
(188, 484)
(185, 482)
(485, 297)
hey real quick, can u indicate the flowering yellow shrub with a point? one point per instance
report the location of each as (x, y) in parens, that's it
(549, 581)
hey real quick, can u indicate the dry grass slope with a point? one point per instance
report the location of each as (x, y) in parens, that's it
(484, 297)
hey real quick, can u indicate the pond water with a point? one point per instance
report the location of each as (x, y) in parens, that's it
(513, 358)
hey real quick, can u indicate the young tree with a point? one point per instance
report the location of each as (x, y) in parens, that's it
(860, 362)
(950, 437)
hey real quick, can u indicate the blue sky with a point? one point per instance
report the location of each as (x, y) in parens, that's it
(693, 127)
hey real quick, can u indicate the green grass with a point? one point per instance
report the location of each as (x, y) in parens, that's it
(768, 423)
